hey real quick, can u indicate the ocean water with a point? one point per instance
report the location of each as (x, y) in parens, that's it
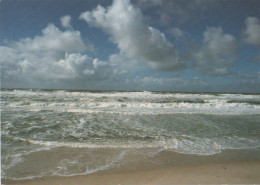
(66, 133)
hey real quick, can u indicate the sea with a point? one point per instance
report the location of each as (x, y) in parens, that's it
(47, 133)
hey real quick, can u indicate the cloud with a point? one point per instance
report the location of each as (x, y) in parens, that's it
(55, 40)
(252, 35)
(176, 32)
(126, 27)
(80, 66)
(181, 12)
(136, 41)
(148, 3)
(65, 21)
(217, 53)
(252, 32)
(243, 82)
(174, 83)
(53, 56)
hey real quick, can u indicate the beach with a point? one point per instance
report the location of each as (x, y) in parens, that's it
(229, 167)
(130, 92)
(112, 137)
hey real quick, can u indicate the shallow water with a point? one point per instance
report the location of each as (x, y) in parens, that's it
(99, 130)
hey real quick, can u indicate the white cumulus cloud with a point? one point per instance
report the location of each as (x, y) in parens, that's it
(252, 34)
(126, 27)
(216, 54)
(176, 32)
(53, 56)
(252, 31)
(65, 21)
(53, 39)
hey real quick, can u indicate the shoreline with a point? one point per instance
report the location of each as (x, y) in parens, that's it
(244, 172)
(228, 167)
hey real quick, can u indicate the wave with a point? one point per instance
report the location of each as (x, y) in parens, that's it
(252, 102)
(37, 120)
(185, 144)
(199, 146)
(67, 166)
(207, 107)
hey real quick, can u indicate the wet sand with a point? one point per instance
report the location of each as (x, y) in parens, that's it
(246, 172)
(229, 167)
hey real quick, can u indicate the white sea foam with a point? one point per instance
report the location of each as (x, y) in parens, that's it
(34, 121)
(211, 106)
(63, 167)
(18, 157)
(195, 146)
(133, 102)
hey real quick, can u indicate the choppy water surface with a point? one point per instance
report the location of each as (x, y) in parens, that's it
(42, 128)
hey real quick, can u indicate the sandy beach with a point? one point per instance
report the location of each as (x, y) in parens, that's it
(230, 167)
(122, 92)
(80, 137)
(226, 173)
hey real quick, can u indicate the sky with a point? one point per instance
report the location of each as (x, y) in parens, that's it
(146, 45)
